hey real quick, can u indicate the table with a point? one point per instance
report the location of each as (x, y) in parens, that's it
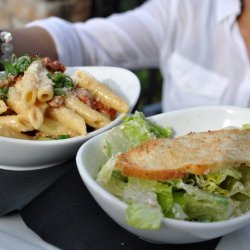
(65, 215)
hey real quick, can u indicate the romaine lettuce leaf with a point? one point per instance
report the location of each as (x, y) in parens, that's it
(143, 216)
(106, 171)
(143, 210)
(132, 132)
(212, 182)
(203, 206)
(116, 185)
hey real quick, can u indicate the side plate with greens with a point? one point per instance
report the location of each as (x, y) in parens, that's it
(193, 209)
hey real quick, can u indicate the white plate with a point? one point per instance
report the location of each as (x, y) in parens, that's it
(237, 240)
(16, 154)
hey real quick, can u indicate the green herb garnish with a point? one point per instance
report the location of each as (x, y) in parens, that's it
(4, 93)
(18, 65)
(62, 83)
(62, 137)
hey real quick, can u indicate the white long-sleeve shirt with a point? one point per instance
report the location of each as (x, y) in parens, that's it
(196, 44)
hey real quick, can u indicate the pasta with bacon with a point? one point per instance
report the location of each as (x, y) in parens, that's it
(39, 103)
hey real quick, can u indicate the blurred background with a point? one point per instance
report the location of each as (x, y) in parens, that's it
(16, 13)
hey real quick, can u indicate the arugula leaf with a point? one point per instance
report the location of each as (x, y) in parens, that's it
(62, 83)
(22, 63)
(9, 68)
(16, 65)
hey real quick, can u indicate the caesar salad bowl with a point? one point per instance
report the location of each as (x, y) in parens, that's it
(92, 156)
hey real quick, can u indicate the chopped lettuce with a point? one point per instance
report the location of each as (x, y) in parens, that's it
(142, 216)
(204, 198)
(116, 184)
(133, 131)
(143, 210)
(211, 182)
(204, 206)
(106, 171)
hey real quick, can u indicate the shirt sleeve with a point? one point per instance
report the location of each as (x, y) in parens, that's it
(131, 39)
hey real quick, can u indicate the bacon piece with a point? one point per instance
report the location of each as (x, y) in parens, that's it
(53, 65)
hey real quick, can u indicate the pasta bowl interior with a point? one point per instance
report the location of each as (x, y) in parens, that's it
(91, 157)
(22, 154)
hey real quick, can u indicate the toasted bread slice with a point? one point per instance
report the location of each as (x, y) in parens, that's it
(196, 153)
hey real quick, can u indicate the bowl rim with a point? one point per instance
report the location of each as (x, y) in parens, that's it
(92, 184)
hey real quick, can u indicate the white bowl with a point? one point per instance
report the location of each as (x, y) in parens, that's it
(90, 157)
(18, 154)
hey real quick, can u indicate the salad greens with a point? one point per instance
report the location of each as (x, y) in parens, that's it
(203, 198)
(4, 93)
(62, 83)
(17, 65)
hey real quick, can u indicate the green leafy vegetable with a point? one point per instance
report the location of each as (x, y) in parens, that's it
(144, 216)
(16, 65)
(4, 93)
(22, 63)
(204, 206)
(133, 131)
(61, 137)
(62, 83)
(143, 210)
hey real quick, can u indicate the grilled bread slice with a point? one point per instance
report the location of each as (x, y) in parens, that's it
(196, 153)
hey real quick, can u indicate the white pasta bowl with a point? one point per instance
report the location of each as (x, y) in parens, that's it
(90, 158)
(19, 154)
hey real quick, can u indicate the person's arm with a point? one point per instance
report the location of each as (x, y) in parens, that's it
(132, 39)
(32, 41)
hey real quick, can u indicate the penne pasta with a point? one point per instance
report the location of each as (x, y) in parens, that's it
(101, 91)
(3, 107)
(42, 106)
(68, 118)
(35, 117)
(32, 113)
(41, 101)
(16, 122)
(10, 132)
(45, 93)
(23, 124)
(91, 116)
(54, 128)
(35, 84)
(26, 88)
(28, 95)
(14, 99)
